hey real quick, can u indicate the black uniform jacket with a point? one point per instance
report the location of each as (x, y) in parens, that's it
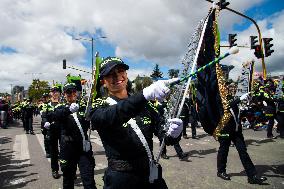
(70, 132)
(234, 123)
(119, 139)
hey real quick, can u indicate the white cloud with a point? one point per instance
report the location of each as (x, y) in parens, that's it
(157, 31)
(271, 27)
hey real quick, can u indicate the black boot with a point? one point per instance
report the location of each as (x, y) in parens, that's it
(164, 156)
(256, 180)
(182, 156)
(224, 176)
(55, 174)
(185, 137)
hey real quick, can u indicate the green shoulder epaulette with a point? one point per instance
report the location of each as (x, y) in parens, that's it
(100, 102)
(152, 106)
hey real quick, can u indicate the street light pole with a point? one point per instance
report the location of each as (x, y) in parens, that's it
(92, 57)
(259, 36)
(92, 41)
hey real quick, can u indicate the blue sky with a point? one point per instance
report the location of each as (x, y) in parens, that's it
(37, 35)
(259, 12)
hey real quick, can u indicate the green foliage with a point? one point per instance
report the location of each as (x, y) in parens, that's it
(141, 82)
(173, 73)
(37, 88)
(156, 74)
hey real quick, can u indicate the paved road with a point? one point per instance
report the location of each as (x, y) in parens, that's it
(23, 163)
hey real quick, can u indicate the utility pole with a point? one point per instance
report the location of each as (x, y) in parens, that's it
(92, 42)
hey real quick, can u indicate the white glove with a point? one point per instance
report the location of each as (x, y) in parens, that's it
(244, 96)
(175, 128)
(264, 103)
(74, 107)
(46, 125)
(158, 90)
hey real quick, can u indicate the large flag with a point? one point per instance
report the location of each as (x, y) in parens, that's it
(209, 102)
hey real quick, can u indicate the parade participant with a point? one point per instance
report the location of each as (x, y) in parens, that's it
(28, 112)
(46, 138)
(232, 132)
(126, 125)
(75, 149)
(269, 110)
(185, 117)
(3, 113)
(280, 116)
(161, 109)
(53, 129)
(193, 117)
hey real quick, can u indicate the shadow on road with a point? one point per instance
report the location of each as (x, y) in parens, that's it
(15, 176)
(201, 153)
(276, 171)
(257, 142)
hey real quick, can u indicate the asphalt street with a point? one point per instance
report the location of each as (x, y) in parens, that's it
(23, 163)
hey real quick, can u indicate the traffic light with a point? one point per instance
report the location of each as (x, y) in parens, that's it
(232, 40)
(64, 64)
(253, 41)
(257, 51)
(267, 46)
(223, 4)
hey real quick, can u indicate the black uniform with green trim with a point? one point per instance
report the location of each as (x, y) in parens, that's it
(46, 139)
(53, 133)
(128, 163)
(71, 146)
(232, 132)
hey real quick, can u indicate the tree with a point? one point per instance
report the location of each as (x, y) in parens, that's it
(141, 82)
(173, 73)
(156, 74)
(37, 88)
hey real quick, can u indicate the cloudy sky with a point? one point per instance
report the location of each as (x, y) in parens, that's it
(36, 35)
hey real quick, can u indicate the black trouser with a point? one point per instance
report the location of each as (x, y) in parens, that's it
(193, 125)
(3, 119)
(28, 124)
(54, 136)
(128, 180)
(46, 139)
(270, 125)
(70, 157)
(177, 147)
(238, 139)
(280, 119)
(185, 124)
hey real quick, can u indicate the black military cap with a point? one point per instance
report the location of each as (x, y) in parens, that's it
(109, 63)
(45, 95)
(55, 88)
(69, 87)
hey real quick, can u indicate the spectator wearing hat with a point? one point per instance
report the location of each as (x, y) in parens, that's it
(75, 147)
(126, 124)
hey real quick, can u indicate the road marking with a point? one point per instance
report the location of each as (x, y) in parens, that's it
(17, 181)
(156, 140)
(100, 166)
(41, 142)
(21, 155)
(96, 140)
